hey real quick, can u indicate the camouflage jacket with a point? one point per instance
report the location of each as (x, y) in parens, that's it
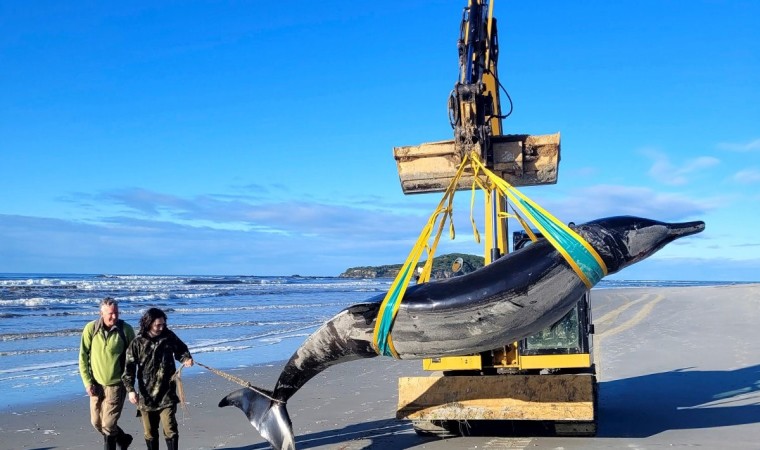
(152, 360)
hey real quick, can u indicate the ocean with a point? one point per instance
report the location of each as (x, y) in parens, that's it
(227, 321)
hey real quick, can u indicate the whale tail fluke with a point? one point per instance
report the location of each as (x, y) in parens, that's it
(269, 417)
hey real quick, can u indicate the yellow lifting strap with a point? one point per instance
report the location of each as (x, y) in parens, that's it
(382, 341)
(577, 252)
(581, 256)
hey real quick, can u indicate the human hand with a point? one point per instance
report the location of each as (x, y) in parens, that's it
(93, 390)
(133, 398)
(188, 362)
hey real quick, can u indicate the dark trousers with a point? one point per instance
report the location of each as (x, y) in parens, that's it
(166, 416)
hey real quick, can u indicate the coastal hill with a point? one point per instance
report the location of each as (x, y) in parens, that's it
(441, 267)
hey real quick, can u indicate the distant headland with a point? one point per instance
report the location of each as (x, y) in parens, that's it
(441, 267)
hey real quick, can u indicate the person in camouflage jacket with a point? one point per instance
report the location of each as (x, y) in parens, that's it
(150, 360)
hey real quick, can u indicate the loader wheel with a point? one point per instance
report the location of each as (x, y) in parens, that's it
(434, 428)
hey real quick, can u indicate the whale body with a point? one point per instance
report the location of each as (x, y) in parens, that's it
(510, 299)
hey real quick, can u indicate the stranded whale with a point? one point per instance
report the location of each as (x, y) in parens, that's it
(510, 299)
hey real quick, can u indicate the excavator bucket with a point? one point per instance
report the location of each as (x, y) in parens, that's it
(520, 159)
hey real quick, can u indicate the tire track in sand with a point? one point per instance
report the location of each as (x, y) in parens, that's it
(612, 316)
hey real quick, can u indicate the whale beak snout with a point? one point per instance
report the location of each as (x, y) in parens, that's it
(677, 230)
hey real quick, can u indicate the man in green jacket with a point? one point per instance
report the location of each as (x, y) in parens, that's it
(102, 354)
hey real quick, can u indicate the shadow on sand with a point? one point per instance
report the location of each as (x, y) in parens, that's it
(678, 400)
(395, 434)
(635, 407)
(647, 405)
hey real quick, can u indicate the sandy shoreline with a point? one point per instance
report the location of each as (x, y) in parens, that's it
(333, 407)
(677, 367)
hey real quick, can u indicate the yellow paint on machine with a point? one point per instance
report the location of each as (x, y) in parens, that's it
(470, 362)
(522, 362)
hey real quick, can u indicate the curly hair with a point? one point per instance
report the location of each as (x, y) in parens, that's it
(148, 318)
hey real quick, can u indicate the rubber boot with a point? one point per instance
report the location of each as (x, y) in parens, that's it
(123, 440)
(109, 442)
(172, 443)
(152, 444)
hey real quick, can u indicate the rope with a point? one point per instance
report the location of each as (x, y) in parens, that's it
(239, 381)
(177, 377)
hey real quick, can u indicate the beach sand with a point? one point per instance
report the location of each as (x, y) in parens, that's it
(678, 367)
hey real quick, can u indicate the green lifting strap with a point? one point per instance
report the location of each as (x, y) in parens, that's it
(569, 245)
(386, 316)
(584, 260)
(578, 253)
(381, 340)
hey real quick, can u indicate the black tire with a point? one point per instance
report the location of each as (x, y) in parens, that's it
(435, 428)
(578, 429)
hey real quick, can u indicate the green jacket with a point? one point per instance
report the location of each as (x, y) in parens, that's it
(150, 360)
(101, 352)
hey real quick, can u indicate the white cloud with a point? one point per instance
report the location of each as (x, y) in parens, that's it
(751, 146)
(747, 176)
(606, 200)
(124, 245)
(664, 171)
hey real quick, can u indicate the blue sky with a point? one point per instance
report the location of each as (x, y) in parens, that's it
(256, 137)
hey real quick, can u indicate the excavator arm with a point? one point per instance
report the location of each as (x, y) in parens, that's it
(474, 109)
(503, 384)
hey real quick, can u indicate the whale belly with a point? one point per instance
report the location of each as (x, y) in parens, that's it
(489, 322)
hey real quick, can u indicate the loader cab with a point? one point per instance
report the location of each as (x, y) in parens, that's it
(571, 335)
(508, 389)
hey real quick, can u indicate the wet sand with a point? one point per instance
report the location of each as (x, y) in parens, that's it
(678, 367)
